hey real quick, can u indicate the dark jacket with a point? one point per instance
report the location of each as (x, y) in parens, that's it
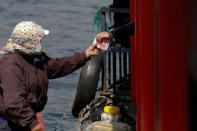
(24, 83)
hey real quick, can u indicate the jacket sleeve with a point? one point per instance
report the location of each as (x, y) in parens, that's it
(14, 95)
(58, 67)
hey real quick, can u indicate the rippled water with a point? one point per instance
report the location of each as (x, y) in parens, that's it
(70, 25)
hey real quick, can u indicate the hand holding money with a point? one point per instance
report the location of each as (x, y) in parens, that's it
(104, 35)
(103, 40)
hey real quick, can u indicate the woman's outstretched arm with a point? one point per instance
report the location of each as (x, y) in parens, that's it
(58, 67)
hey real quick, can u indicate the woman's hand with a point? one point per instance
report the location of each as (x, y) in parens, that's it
(92, 50)
(104, 35)
(37, 128)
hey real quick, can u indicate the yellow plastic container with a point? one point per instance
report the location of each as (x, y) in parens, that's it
(111, 113)
(112, 109)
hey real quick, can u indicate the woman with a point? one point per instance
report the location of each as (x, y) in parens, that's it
(24, 74)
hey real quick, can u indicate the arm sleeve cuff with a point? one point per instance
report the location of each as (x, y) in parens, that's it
(84, 57)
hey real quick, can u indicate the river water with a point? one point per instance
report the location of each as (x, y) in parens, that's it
(70, 24)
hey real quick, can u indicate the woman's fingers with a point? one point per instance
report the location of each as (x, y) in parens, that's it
(92, 50)
(93, 46)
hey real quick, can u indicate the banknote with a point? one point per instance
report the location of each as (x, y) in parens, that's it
(103, 45)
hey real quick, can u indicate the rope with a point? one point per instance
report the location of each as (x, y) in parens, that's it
(97, 20)
(97, 17)
(63, 117)
(85, 113)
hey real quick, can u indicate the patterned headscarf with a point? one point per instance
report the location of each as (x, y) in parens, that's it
(26, 36)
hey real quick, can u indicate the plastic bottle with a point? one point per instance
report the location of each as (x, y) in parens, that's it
(111, 113)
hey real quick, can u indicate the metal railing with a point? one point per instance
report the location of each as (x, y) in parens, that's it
(116, 68)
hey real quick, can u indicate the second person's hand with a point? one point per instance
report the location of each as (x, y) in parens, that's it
(104, 35)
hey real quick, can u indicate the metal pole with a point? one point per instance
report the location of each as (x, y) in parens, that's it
(109, 68)
(120, 65)
(114, 72)
(103, 27)
(124, 71)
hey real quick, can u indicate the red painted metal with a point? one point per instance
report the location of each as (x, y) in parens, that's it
(145, 65)
(40, 120)
(161, 70)
(173, 43)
